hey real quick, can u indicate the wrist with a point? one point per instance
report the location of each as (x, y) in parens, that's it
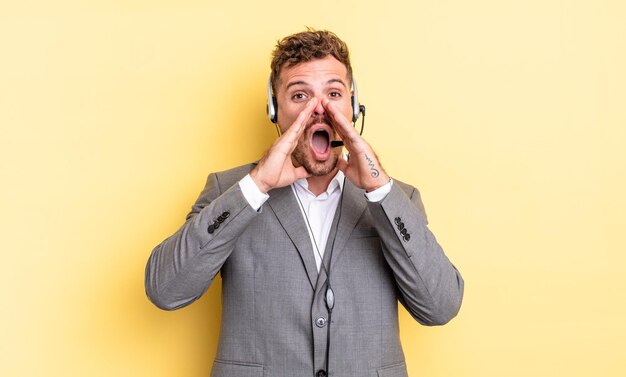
(254, 174)
(380, 182)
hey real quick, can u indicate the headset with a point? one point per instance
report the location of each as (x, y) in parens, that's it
(272, 104)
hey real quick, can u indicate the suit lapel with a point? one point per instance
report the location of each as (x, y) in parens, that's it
(283, 203)
(353, 204)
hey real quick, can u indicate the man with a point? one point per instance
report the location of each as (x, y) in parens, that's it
(314, 249)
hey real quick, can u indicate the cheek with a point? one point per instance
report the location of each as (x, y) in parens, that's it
(346, 109)
(303, 145)
(288, 112)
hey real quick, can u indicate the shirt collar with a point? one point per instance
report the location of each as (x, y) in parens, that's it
(335, 183)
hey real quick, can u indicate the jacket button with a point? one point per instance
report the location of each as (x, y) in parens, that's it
(403, 232)
(226, 214)
(407, 237)
(211, 229)
(320, 373)
(320, 322)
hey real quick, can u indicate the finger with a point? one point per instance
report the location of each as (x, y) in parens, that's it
(288, 141)
(342, 124)
(298, 126)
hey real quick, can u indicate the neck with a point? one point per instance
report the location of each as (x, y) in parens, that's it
(319, 184)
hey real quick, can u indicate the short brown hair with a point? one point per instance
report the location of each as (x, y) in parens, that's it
(308, 45)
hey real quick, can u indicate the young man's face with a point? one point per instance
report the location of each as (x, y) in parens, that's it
(321, 78)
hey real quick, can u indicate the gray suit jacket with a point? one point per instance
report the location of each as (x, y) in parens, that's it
(274, 317)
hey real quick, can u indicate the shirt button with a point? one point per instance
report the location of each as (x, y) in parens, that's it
(320, 322)
(320, 373)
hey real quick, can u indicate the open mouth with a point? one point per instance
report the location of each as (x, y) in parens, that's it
(320, 141)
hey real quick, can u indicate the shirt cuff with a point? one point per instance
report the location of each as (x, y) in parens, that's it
(251, 192)
(380, 193)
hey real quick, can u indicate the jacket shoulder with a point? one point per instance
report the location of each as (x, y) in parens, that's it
(413, 194)
(407, 188)
(227, 178)
(217, 183)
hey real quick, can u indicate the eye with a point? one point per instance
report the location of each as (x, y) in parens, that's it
(334, 94)
(298, 97)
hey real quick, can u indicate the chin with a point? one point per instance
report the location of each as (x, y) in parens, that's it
(320, 168)
(304, 156)
(320, 171)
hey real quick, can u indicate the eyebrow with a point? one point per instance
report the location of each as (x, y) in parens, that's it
(296, 83)
(331, 81)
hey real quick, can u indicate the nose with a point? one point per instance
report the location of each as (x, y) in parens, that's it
(319, 108)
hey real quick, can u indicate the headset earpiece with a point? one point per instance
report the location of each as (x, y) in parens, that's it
(272, 105)
(356, 109)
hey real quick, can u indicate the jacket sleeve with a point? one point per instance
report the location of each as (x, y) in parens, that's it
(182, 267)
(430, 287)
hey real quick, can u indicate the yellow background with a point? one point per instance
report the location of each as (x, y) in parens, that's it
(509, 116)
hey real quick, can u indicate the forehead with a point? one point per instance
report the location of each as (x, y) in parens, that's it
(314, 71)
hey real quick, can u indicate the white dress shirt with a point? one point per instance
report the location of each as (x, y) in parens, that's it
(318, 211)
